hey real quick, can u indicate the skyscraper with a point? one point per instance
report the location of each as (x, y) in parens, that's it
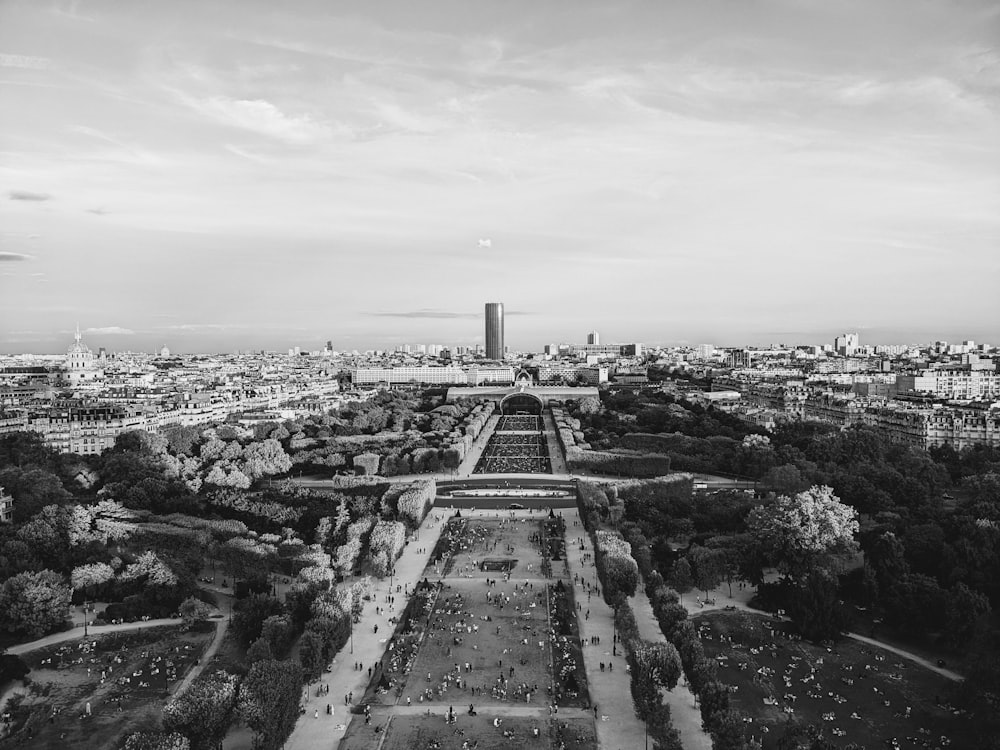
(593, 337)
(494, 331)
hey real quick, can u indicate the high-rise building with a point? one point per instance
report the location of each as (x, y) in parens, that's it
(494, 331)
(593, 337)
(847, 344)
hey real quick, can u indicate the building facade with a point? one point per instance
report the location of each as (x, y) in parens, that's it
(494, 331)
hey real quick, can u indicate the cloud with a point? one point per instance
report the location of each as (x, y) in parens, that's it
(199, 327)
(110, 331)
(98, 211)
(440, 314)
(261, 117)
(24, 61)
(27, 195)
(424, 314)
(13, 257)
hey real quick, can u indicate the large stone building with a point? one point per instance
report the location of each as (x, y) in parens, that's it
(81, 368)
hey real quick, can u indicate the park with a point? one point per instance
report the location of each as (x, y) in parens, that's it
(481, 601)
(490, 651)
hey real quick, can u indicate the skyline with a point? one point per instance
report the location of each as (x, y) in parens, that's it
(230, 176)
(96, 338)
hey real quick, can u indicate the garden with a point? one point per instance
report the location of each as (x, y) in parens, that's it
(92, 692)
(515, 453)
(492, 633)
(852, 692)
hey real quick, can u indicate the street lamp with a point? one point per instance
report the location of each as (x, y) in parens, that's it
(85, 619)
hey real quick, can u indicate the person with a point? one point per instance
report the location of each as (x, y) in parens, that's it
(317, 713)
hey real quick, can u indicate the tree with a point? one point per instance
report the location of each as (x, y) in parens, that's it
(311, 655)
(728, 731)
(194, 610)
(708, 567)
(966, 609)
(366, 464)
(265, 459)
(260, 650)
(249, 615)
(660, 662)
(156, 741)
(32, 489)
(203, 713)
(714, 701)
(35, 603)
(800, 532)
(816, 609)
(269, 701)
(12, 667)
(278, 631)
(888, 560)
(680, 576)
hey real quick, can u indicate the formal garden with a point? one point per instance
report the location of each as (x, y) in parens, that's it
(491, 626)
(434, 732)
(516, 452)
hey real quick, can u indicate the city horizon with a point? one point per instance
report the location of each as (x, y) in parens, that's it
(691, 171)
(137, 341)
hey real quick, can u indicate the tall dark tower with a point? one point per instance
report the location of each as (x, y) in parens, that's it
(494, 331)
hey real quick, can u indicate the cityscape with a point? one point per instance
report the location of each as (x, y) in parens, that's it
(468, 376)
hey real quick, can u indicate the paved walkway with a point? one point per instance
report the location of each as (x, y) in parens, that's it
(618, 727)
(686, 716)
(77, 633)
(221, 626)
(556, 455)
(472, 457)
(368, 647)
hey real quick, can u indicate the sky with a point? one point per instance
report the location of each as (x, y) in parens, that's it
(231, 174)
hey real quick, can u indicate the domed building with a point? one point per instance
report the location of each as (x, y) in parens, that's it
(80, 366)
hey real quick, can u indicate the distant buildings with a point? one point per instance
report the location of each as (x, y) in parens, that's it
(431, 375)
(6, 507)
(494, 331)
(846, 345)
(949, 384)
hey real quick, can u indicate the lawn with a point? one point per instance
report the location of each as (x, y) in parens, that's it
(423, 732)
(121, 676)
(483, 636)
(855, 693)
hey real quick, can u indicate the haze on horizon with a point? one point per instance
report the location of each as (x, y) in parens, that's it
(233, 174)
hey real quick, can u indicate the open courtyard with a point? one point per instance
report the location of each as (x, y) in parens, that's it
(487, 651)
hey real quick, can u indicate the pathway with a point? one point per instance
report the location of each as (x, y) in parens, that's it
(619, 728)
(472, 457)
(76, 633)
(365, 647)
(686, 716)
(556, 455)
(220, 632)
(739, 601)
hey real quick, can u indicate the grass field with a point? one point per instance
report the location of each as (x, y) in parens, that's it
(122, 676)
(855, 693)
(483, 637)
(422, 732)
